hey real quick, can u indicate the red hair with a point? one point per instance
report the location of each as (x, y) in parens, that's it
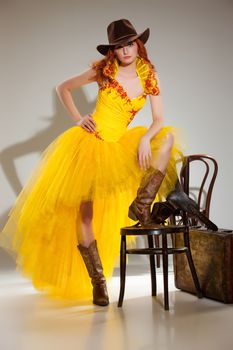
(99, 65)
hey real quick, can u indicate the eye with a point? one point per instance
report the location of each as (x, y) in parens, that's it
(130, 43)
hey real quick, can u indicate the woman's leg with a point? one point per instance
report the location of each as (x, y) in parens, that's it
(151, 182)
(86, 236)
(89, 251)
(162, 158)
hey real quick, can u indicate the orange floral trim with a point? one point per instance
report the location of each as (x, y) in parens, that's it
(96, 134)
(133, 112)
(151, 83)
(117, 87)
(109, 69)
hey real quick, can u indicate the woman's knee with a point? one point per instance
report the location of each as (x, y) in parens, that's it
(168, 141)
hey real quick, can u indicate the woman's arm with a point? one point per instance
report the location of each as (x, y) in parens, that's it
(157, 110)
(63, 91)
(144, 149)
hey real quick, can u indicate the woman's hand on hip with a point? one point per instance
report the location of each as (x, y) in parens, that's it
(87, 122)
(144, 153)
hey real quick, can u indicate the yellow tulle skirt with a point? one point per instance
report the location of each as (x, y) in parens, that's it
(43, 226)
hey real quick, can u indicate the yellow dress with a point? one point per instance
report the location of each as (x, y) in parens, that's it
(42, 227)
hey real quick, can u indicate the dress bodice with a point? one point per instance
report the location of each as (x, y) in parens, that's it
(114, 109)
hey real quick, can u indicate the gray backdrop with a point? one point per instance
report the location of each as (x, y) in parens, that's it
(45, 42)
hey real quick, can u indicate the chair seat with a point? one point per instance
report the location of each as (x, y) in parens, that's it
(155, 229)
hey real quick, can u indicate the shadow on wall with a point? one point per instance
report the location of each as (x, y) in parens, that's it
(59, 123)
(39, 141)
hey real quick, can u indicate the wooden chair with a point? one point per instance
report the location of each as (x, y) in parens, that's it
(205, 189)
(179, 225)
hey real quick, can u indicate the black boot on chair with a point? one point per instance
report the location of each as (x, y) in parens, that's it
(162, 211)
(178, 199)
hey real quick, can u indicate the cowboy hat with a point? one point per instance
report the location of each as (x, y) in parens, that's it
(119, 32)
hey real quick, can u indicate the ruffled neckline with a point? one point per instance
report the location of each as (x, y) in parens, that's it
(112, 69)
(142, 69)
(145, 73)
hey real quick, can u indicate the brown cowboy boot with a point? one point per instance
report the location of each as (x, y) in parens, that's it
(149, 186)
(95, 270)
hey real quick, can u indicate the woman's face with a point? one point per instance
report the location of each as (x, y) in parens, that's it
(126, 53)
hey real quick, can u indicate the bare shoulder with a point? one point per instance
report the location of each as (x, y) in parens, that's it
(86, 77)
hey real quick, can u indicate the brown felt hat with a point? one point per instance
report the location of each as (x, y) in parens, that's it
(121, 31)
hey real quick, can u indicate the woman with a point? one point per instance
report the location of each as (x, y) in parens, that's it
(95, 174)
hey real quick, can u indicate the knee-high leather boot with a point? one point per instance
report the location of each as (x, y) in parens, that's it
(139, 209)
(94, 267)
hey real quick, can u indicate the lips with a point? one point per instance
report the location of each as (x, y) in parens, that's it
(127, 56)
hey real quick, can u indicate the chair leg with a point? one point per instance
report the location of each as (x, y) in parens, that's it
(192, 266)
(157, 246)
(122, 270)
(152, 267)
(165, 271)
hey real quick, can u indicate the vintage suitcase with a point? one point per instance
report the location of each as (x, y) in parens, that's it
(212, 253)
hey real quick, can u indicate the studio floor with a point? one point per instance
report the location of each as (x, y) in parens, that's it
(30, 321)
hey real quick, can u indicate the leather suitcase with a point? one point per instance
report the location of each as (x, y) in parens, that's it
(212, 253)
